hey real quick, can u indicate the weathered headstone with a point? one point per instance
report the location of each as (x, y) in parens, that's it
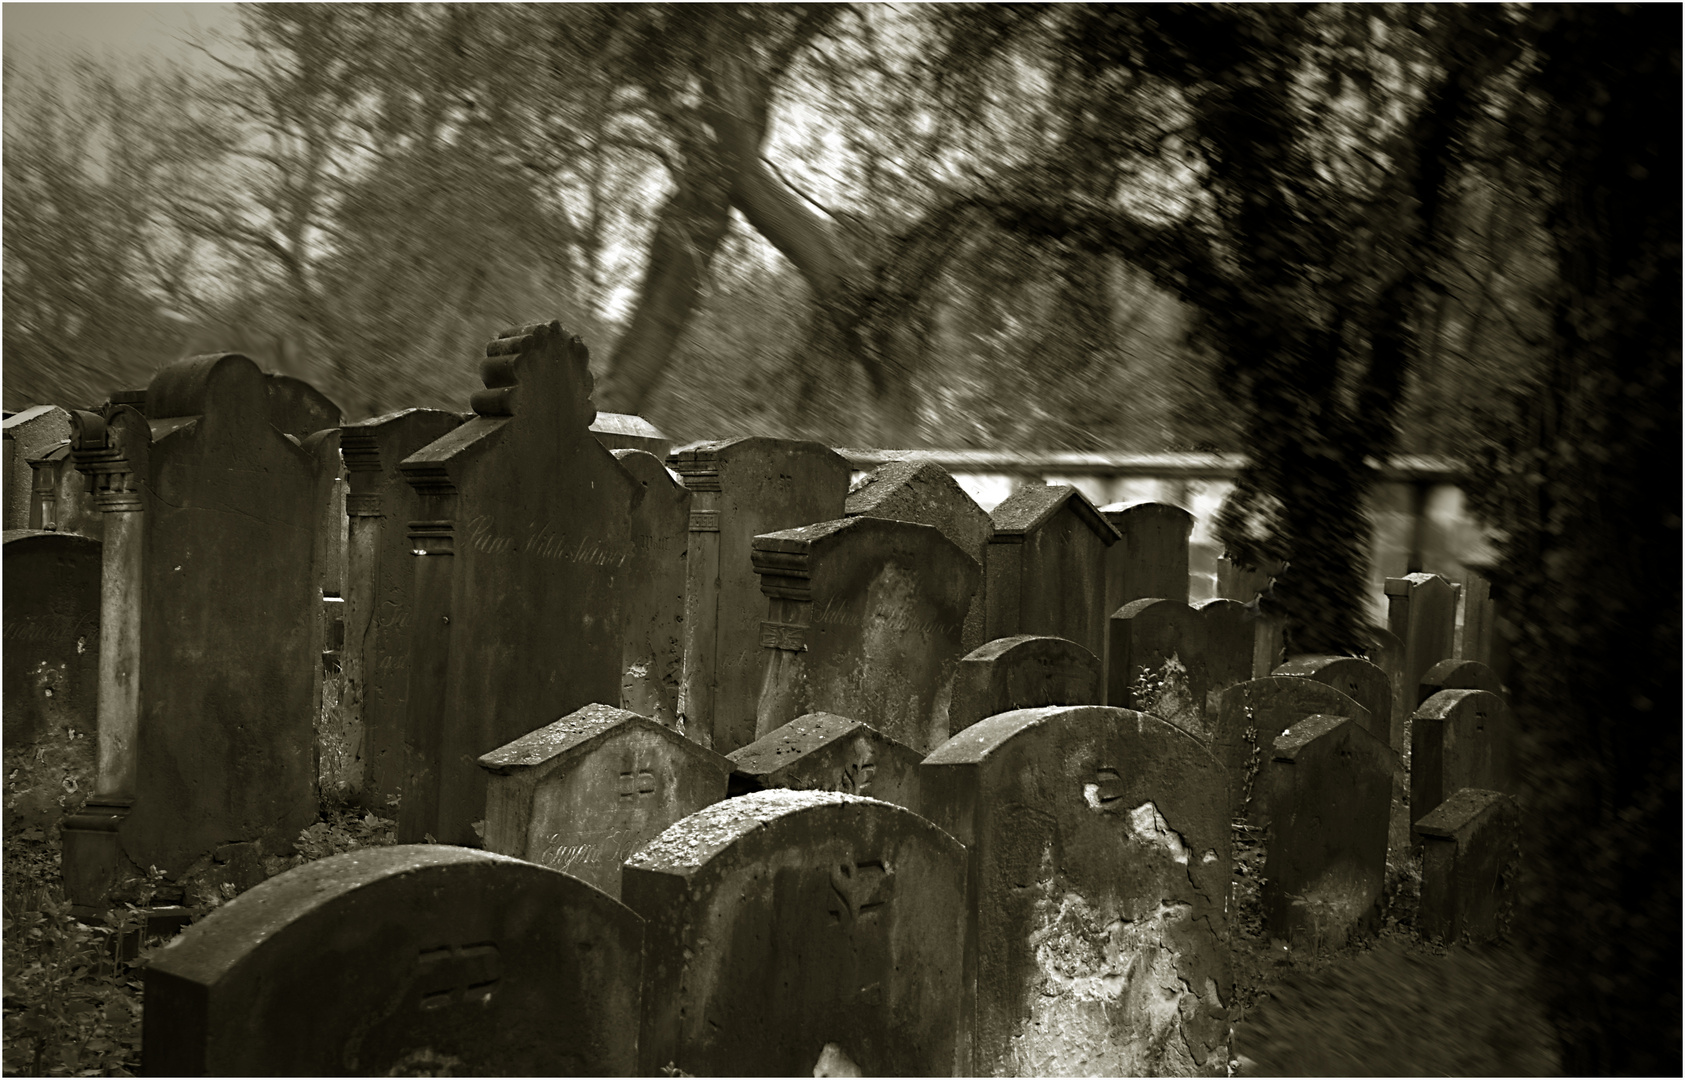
(338, 743)
(1026, 671)
(1330, 786)
(1460, 739)
(1045, 567)
(1458, 675)
(32, 433)
(1244, 583)
(1150, 559)
(51, 661)
(1471, 862)
(1100, 846)
(1233, 634)
(523, 571)
(623, 431)
(742, 488)
(584, 793)
(653, 660)
(924, 492)
(61, 501)
(1250, 716)
(379, 588)
(826, 752)
(298, 409)
(418, 960)
(864, 620)
(1421, 609)
(1357, 678)
(205, 718)
(789, 930)
(1478, 615)
(1173, 660)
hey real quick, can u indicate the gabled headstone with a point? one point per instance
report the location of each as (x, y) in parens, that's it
(742, 488)
(32, 433)
(826, 752)
(793, 932)
(1100, 841)
(1458, 675)
(924, 492)
(61, 501)
(1460, 739)
(1471, 861)
(622, 431)
(1026, 671)
(523, 573)
(1421, 609)
(298, 409)
(1150, 559)
(1045, 567)
(1330, 786)
(1250, 716)
(1173, 660)
(1358, 679)
(653, 660)
(418, 960)
(865, 617)
(584, 793)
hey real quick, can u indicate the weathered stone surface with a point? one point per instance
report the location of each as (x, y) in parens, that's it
(402, 961)
(925, 493)
(60, 501)
(1250, 716)
(32, 433)
(865, 617)
(296, 408)
(1026, 671)
(338, 741)
(1458, 675)
(523, 574)
(1360, 680)
(652, 664)
(623, 431)
(1330, 784)
(742, 489)
(825, 752)
(1149, 560)
(51, 662)
(791, 928)
(1173, 660)
(379, 591)
(1386, 652)
(1100, 846)
(1045, 567)
(1421, 610)
(1232, 637)
(1471, 863)
(1460, 739)
(1478, 616)
(584, 793)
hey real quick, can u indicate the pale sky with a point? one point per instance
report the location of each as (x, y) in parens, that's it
(124, 31)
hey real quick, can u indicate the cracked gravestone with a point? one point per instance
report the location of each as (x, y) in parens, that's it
(1022, 672)
(1045, 567)
(652, 667)
(825, 752)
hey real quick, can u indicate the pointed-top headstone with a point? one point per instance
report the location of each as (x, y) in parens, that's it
(1045, 566)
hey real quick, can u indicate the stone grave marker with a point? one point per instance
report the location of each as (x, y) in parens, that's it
(523, 574)
(1477, 618)
(61, 501)
(297, 408)
(652, 665)
(1471, 863)
(1330, 787)
(1460, 739)
(742, 488)
(1025, 671)
(1250, 716)
(32, 433)
(379, 591)
(792, 932)
(1458, 675)
(1421, 609)
(584, 793)
(1234, 634)
(924, 492)
(205, 717)
(338, 745)
(1045, 567)
(1173, 660)
(1357, 678)
(416, 960)
(1100, 846)
(865, 617)
(622, 431)
(1150, 559)
(825, 752)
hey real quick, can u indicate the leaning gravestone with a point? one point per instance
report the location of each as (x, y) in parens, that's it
(865, 620)
(523, 574)
(31, 433)
(1460, 739)
(924, 492)
(1471, 858)
(652, 665)
(1250, 716)
(584, 793)
(1100, 846)
(1045, 567)
(623, 431)
(1330, 785)
(1022, 672)
(742, 488)
(416, 960)
(1479, 614)
(794, 931)
(826, 752)
(298, 409)
(1150, 558)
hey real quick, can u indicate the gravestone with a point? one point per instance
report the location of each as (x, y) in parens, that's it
(1244, 583)
(338, 743)
(1250, 716)
(865, 617)
(418, 960)
(1460, 739)
(1458, 675)
(622, 431)
(1173, 660)
(1022, 672)
(924, 492)
(1475, 618)
(742, 488)
(652, 664)
(1045, 567)
(826, 752)
(1386, 651)
(1471, 863)
(1100, 846)
(1421, 609)
(523, 574)
(1330, 787)
(1150, 559)
(296, 408)
(795, 929)
(1358, 679)
(60, 501)
(379, 588)
(51, 662)
(1233, 636)
(31, 433)
(205, 717)
(584, 793)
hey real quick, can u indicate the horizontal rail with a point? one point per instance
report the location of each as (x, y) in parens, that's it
(1406, 468)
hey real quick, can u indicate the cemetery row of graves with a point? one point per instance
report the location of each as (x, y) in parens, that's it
(837, 776)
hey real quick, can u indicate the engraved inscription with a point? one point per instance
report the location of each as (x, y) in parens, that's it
(835, 612)
(857, 777)
(637, 786)
(542, 541)
(1105, 794)
(458, 974)
(859, 889)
